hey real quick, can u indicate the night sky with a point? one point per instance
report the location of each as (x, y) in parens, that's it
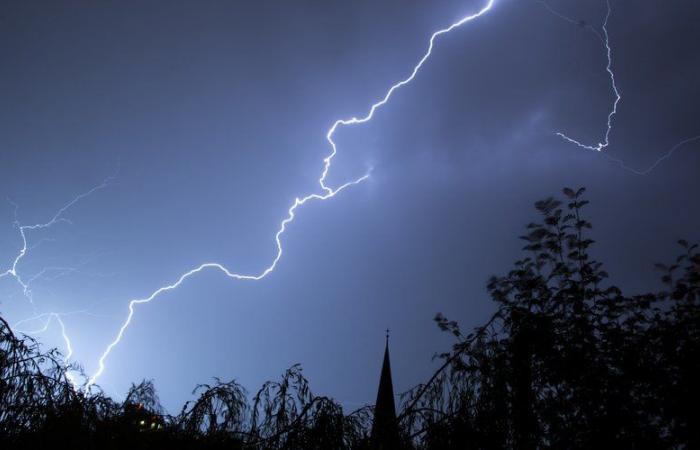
(213, 116)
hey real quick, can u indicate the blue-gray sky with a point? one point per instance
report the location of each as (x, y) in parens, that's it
(216, 112)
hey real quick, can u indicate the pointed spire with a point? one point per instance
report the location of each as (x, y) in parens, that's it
(385, 432)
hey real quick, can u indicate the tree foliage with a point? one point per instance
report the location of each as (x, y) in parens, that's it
(566, 361)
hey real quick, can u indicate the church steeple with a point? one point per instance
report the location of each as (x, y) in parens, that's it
(385, 431)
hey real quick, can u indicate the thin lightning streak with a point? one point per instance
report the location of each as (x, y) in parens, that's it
(43, 329)
(328, 192)
(387, 96)
(61, 272)
(69, 350)
(570, 20)
(23, 229)
(69, 347)
(283, 226)
(658, 161)
(13, 271)
(64, 335)
(48, 316)
(604, 38)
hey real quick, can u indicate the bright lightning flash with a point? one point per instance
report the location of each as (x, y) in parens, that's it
(608, 51)
(49, 317)
(26, 285)
(327, 192)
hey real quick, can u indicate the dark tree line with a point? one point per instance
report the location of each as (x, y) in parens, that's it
(566, 361)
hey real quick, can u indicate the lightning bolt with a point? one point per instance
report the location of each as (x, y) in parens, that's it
(69, 351)
(599, 147)
(58, 217)
(327, 193)
(658, 161)
(14, 273)
(66, 339)
(605, 39)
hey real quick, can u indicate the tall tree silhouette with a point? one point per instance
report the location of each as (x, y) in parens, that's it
(568, 361)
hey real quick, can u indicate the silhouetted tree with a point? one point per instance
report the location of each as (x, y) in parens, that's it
(566, 361)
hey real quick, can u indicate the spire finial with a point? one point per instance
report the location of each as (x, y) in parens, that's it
(385, 432)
